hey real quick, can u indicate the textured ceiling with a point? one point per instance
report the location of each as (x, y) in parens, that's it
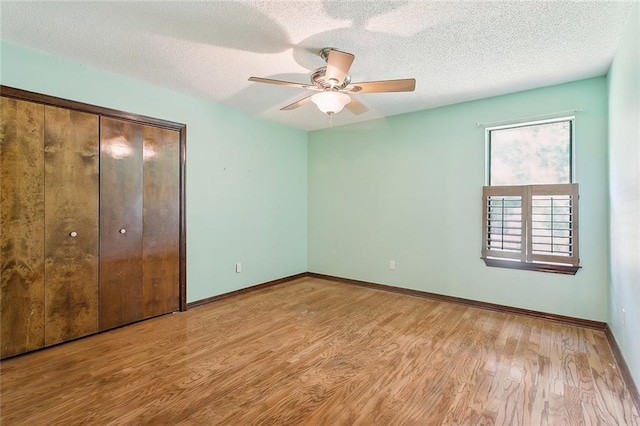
(457, 51)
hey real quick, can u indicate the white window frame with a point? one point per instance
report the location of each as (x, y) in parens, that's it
(487, 143)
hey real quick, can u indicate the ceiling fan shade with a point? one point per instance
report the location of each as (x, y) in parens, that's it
(330, 102)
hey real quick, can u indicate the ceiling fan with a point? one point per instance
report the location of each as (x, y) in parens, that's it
(333, 83)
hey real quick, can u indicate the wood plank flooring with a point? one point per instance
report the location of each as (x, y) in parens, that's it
(316, 352)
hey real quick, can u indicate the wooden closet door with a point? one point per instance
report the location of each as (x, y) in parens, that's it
(120, 222)
(161, 221)
(21, 226)
(71, 224)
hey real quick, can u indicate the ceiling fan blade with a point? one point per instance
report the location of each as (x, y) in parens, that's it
(404, 85)
(297, 104)
(282, 83)
(338, 65)
(356, 107)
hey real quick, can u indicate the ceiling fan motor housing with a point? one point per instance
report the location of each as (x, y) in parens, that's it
(318, 79)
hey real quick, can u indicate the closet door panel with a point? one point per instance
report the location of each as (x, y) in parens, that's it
(120, 222)
(161, 219)
(71, 224)
(22, 226)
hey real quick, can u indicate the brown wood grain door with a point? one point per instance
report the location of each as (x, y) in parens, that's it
(121, 195)
(21, 226)
(71, 224)
(161, 221)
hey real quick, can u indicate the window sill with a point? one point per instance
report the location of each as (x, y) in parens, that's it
(540, 267)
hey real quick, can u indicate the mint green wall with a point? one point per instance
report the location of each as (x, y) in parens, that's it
(409, 188)
(246, 177)
(624, 196)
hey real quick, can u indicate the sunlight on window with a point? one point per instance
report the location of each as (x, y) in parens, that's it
(535, 154)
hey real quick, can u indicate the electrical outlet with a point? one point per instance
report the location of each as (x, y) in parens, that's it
(238, 267)
(392, 265)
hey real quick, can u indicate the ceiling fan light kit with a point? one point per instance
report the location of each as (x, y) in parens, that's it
(330, 102)
(333, 80)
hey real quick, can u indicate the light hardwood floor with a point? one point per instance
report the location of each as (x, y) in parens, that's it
(317, 352)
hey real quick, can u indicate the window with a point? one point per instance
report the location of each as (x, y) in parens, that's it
(530, 205)
(530, 154)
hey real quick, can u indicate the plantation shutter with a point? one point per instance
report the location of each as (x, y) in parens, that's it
(531, 223)
(553, 231)
(503, 222)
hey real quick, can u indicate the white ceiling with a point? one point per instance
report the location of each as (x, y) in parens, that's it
(457, 51)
